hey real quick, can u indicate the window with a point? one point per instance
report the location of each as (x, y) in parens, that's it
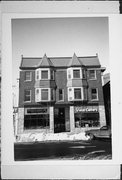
(27, 76)
(61, 94)
(44, 74)
(40, 121)
(52, 94)
(92, 74)
(76, 73)
(37, 95)
(94, 94)
(27, 96)
(37, 75)
(52, 74)
(83, 73)
(44, 94)
(86, 119)
(77, 93)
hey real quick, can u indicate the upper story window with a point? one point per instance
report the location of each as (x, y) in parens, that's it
(77, 93)
(92, 74)
(76, 73)
(27, 95)
(37, 75)
(28, 76)
(44, 95)
(52, 74)
(61, 94)
(44, 74)
(83, 73)
(94, 94)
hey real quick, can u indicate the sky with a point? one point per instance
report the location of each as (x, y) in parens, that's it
(59, 37)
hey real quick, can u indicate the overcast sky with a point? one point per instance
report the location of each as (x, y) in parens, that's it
(85, 36)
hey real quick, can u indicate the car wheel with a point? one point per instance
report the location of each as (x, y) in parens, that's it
(91, 136)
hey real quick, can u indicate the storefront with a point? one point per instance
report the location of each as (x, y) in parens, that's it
(86, 116)
(36, 118)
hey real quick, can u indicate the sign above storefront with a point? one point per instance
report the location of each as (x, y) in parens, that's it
(36, 111)
(86, 109)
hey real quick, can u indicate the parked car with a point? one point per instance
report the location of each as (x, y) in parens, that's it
(104, 132)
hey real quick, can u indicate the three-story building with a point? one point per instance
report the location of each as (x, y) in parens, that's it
(60, 94)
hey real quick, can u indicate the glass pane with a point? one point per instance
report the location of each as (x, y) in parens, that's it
(77, 93)
(60, 94)
(27, 95)
(76, 73)
(37, 74)
(27, 76)
(44, 74)
(44, 94)
(92, 74)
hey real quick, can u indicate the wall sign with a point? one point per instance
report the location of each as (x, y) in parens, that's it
(86, 109)
(36, 111)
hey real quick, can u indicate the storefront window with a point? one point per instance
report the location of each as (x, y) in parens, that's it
(36, 121)
(86, 120)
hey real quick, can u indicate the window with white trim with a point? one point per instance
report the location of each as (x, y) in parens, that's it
(27, 95)
(83, 73)
(44, 94)
(28, 75)
(92, 74)
(77, 93)
(76, 73)
(37, 75)
(94, 94)
(52, 74)
(44, 74)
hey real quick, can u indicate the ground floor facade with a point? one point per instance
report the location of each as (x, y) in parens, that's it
(61, 118)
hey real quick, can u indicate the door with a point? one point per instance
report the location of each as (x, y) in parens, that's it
(59, 120)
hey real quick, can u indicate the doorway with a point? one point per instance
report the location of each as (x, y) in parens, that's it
(59, 120)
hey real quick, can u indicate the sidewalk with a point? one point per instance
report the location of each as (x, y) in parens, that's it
(65, 136)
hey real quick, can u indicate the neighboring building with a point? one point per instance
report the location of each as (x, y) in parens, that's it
(107, 98)
(62, 94)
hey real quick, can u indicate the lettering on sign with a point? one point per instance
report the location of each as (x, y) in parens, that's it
(37, 111)
(86, 109)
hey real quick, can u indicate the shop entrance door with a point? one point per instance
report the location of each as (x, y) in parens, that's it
(59, 120)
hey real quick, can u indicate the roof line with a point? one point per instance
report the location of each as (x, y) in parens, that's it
(59, 57)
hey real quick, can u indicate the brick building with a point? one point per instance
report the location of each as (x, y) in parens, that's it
(60, 94)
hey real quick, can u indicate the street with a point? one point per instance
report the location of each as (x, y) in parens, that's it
(70, 150)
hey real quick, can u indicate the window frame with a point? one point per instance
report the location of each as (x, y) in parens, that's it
(38, 70)
(79, 73)
(96, 94)
(28, 95)
(26, 80)
(47, 74)
(80, 93)
(62, 94)
(95, 76)
(48, 99)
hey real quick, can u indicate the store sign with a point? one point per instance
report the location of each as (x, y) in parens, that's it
(86, 109)
(36, 111)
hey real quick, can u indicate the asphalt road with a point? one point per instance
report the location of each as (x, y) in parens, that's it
(95, 149)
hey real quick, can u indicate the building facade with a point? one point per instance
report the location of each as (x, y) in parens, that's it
(61, 94)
